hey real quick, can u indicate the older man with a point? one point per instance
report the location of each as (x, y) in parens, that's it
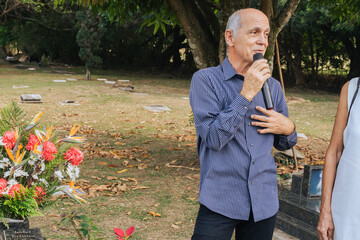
(238, 188)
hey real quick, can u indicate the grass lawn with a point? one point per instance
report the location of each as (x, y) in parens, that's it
(154, 154)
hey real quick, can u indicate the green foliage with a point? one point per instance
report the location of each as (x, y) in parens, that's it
(12, 116)
(87, 228)
(22, 205)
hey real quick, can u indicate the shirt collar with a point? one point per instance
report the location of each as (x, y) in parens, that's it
(229, 71)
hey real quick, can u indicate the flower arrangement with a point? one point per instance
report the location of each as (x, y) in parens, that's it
(33, 163)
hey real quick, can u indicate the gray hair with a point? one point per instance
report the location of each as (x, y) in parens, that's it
(234, 22)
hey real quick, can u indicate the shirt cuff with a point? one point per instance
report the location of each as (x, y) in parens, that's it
(240, 104)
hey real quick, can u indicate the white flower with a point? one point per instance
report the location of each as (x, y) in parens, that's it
(72, 172)
(4, 163)
(17, 173)
(43, 181)
(11, 183)
(58, 174)
(20, 173)
(1, 142)
(32, 160)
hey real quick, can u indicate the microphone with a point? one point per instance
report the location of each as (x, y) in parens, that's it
(266, 88)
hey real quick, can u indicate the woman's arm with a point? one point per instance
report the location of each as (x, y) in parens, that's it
(326, 226)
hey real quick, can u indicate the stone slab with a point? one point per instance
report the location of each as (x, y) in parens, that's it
(17, 87)
(30, 98)
(109, 82)
(59, 81)
(69, 102)
(21, 234)
(71, 79)
(101, 79)
(124, 81)
(157, 108)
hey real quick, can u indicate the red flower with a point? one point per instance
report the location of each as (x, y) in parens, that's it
(15, 188)
(40, 194)
(3, 184)
(74, 156)
(121, 235)
(33, 140)
(49, 149)
(9, 139)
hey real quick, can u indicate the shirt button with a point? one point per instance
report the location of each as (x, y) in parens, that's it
(253, 162)
(235, 126)
(250, 182)
(245, 108)
(251, 145)
(249, 123)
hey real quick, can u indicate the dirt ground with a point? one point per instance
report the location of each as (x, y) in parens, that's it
(141, 167)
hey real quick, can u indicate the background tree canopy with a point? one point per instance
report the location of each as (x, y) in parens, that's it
(318, 40)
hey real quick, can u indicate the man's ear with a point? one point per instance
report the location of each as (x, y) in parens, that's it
(229, 37)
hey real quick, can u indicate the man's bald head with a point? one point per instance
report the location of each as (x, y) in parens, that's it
(235, 20)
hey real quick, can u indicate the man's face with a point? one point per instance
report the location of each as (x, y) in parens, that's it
(252, 36)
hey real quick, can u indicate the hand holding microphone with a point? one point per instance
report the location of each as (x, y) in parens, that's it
(266, 88)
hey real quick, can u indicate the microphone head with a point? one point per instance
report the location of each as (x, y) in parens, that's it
(257, 56)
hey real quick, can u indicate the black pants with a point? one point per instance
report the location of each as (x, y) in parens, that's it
(213, 226)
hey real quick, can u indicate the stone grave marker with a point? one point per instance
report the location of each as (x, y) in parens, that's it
(299, 208)
(69, 102)
(101, 79)
(124, 81)
(31, 69)
(19, 231)
(71, 79)
(21, 66)
(157, 108)
(59, 81)
(17, 87)
(30, 98)
(109, 82)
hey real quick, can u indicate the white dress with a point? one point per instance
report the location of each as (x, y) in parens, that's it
(345, 204)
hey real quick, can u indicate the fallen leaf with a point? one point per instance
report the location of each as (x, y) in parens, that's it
(54, 215)
(101, 204)
(140, 187)
(175, 226)
(142, 166)
(120, 143)
(111, 178)
(95, 177)
(154, 214)
(113, 166)
(102, 163)
(172, 148)
(121, 171)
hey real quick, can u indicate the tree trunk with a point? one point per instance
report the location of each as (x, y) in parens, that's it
(203, 44)
(311, 52)
(277, 22)
(88, 74)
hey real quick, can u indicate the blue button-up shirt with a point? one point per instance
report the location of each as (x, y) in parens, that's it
(238, 172)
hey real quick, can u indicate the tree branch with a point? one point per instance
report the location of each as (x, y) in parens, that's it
(284, 16)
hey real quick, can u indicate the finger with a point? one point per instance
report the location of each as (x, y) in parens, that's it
(260, 124)
(260, 118)
(263, 110)
(264, 131)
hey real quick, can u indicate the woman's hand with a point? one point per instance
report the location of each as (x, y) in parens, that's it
(325, 228)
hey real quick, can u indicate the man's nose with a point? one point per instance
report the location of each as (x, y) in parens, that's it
(263, 39)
